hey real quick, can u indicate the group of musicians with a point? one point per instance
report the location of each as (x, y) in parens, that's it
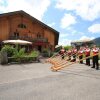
(83, 51)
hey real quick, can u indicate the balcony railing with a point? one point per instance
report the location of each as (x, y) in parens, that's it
(40, 40)
(21, 37)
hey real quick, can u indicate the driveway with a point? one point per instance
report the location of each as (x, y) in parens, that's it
(36, 81)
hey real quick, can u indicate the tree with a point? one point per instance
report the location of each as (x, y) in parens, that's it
(67, 47)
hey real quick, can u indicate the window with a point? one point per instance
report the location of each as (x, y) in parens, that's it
(21, 26)
(38, 36)
(16, 34)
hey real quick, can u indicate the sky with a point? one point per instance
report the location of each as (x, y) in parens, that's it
(73, 19)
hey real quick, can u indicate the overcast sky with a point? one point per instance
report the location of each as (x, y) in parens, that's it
(74, 19)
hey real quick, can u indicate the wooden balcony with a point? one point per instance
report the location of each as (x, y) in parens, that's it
(42, 39)
(21, 37)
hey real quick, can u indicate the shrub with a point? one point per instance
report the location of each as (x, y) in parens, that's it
(34, 54)
(19, 56)
(20, 53)
(9, 49)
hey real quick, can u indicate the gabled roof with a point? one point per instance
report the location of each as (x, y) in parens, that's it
(21, 12)
(82, 41)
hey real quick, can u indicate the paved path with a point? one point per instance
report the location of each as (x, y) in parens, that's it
(17, 72)
(37, 82)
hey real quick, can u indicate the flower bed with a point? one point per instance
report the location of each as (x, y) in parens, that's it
(20, 56)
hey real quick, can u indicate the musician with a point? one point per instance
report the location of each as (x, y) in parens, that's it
(95, 51)
(87, 54)
(74, 52)
(69, 52)
(62, 52)
(80, 53)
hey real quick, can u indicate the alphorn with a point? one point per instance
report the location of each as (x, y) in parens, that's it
(60, 67)
(47, 60)
(56, 61)
(53, 60)
(59, 61)
(56, 57)
(62, 63)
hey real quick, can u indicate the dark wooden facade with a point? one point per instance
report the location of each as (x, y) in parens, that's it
(20, 25)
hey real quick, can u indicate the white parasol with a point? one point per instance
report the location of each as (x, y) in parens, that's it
(22, 42)
(57, 46)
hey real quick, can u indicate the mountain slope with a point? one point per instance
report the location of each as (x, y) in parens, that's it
(97, 41)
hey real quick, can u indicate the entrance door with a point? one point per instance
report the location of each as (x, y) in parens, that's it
(39, 48)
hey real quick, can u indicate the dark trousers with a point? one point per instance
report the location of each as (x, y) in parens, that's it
(63, 56)
(74, 57)
(81, 57)
(88, 60)
(69, 58)
(95, 61)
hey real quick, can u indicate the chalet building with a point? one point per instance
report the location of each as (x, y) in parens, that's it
(20, 25)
